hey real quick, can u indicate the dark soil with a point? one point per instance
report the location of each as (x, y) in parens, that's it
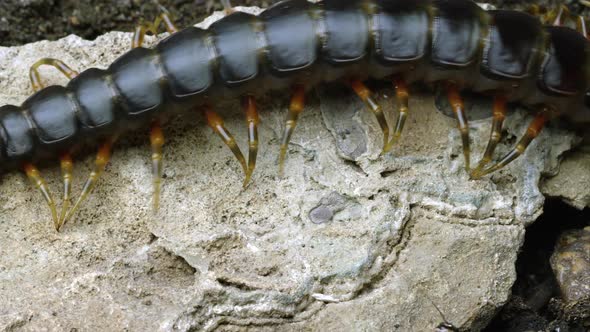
(24, 21)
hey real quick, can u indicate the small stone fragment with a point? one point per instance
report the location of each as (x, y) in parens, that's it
(327, 207)
(571, 265)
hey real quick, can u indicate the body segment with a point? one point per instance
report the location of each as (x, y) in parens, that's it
(296, 44)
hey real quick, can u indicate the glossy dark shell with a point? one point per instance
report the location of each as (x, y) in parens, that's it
(297, 42)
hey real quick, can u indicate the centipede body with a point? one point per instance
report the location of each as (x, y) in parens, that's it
(298, 43)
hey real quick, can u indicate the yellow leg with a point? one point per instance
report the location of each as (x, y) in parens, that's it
(402, 96)
(35, 76)
(295, 108)
(581, 26)
(365, 94)
(216, 123)
(67, 167)
(562, 14)
(532, 131)
(552, 16)
(142, 29)
(66, 160)
(102, 158)
(157, 141)
(249, 107)
(37, 180)
(156, 134)
(459, 109)
(496, 134)
(227, 7)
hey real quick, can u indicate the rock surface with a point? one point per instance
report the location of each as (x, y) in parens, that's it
(571, 265)
(572, 183)
(345, 240)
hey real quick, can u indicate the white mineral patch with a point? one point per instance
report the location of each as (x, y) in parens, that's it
(392, 238)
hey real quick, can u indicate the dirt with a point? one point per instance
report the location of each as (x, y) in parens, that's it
(24, 21)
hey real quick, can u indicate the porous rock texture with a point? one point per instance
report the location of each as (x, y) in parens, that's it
(346, 240)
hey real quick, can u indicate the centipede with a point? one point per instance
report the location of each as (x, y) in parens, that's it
(540, 61)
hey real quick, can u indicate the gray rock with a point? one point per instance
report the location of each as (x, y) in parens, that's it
(407, 234)
(572, 183)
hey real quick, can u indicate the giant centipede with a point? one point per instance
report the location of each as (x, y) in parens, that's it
(509, 55)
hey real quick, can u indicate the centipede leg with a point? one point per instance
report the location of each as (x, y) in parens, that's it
(402, 96)
(35, 76)
(227, 7)
(365, 94)
(156, 134)
(459, 109)
(102, 158)
(499, 114)
(157, 141)
(548, 16)
(142, 29)
(581, 26)
(560, 15)
(295, 108)
(532, 131)
(216, 123)
(67, 167)
(249, 107)
(37, 180)
(65, 159)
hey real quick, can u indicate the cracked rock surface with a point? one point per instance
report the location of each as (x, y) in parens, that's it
(345, 240)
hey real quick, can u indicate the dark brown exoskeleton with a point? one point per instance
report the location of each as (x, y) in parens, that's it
(296, 45)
